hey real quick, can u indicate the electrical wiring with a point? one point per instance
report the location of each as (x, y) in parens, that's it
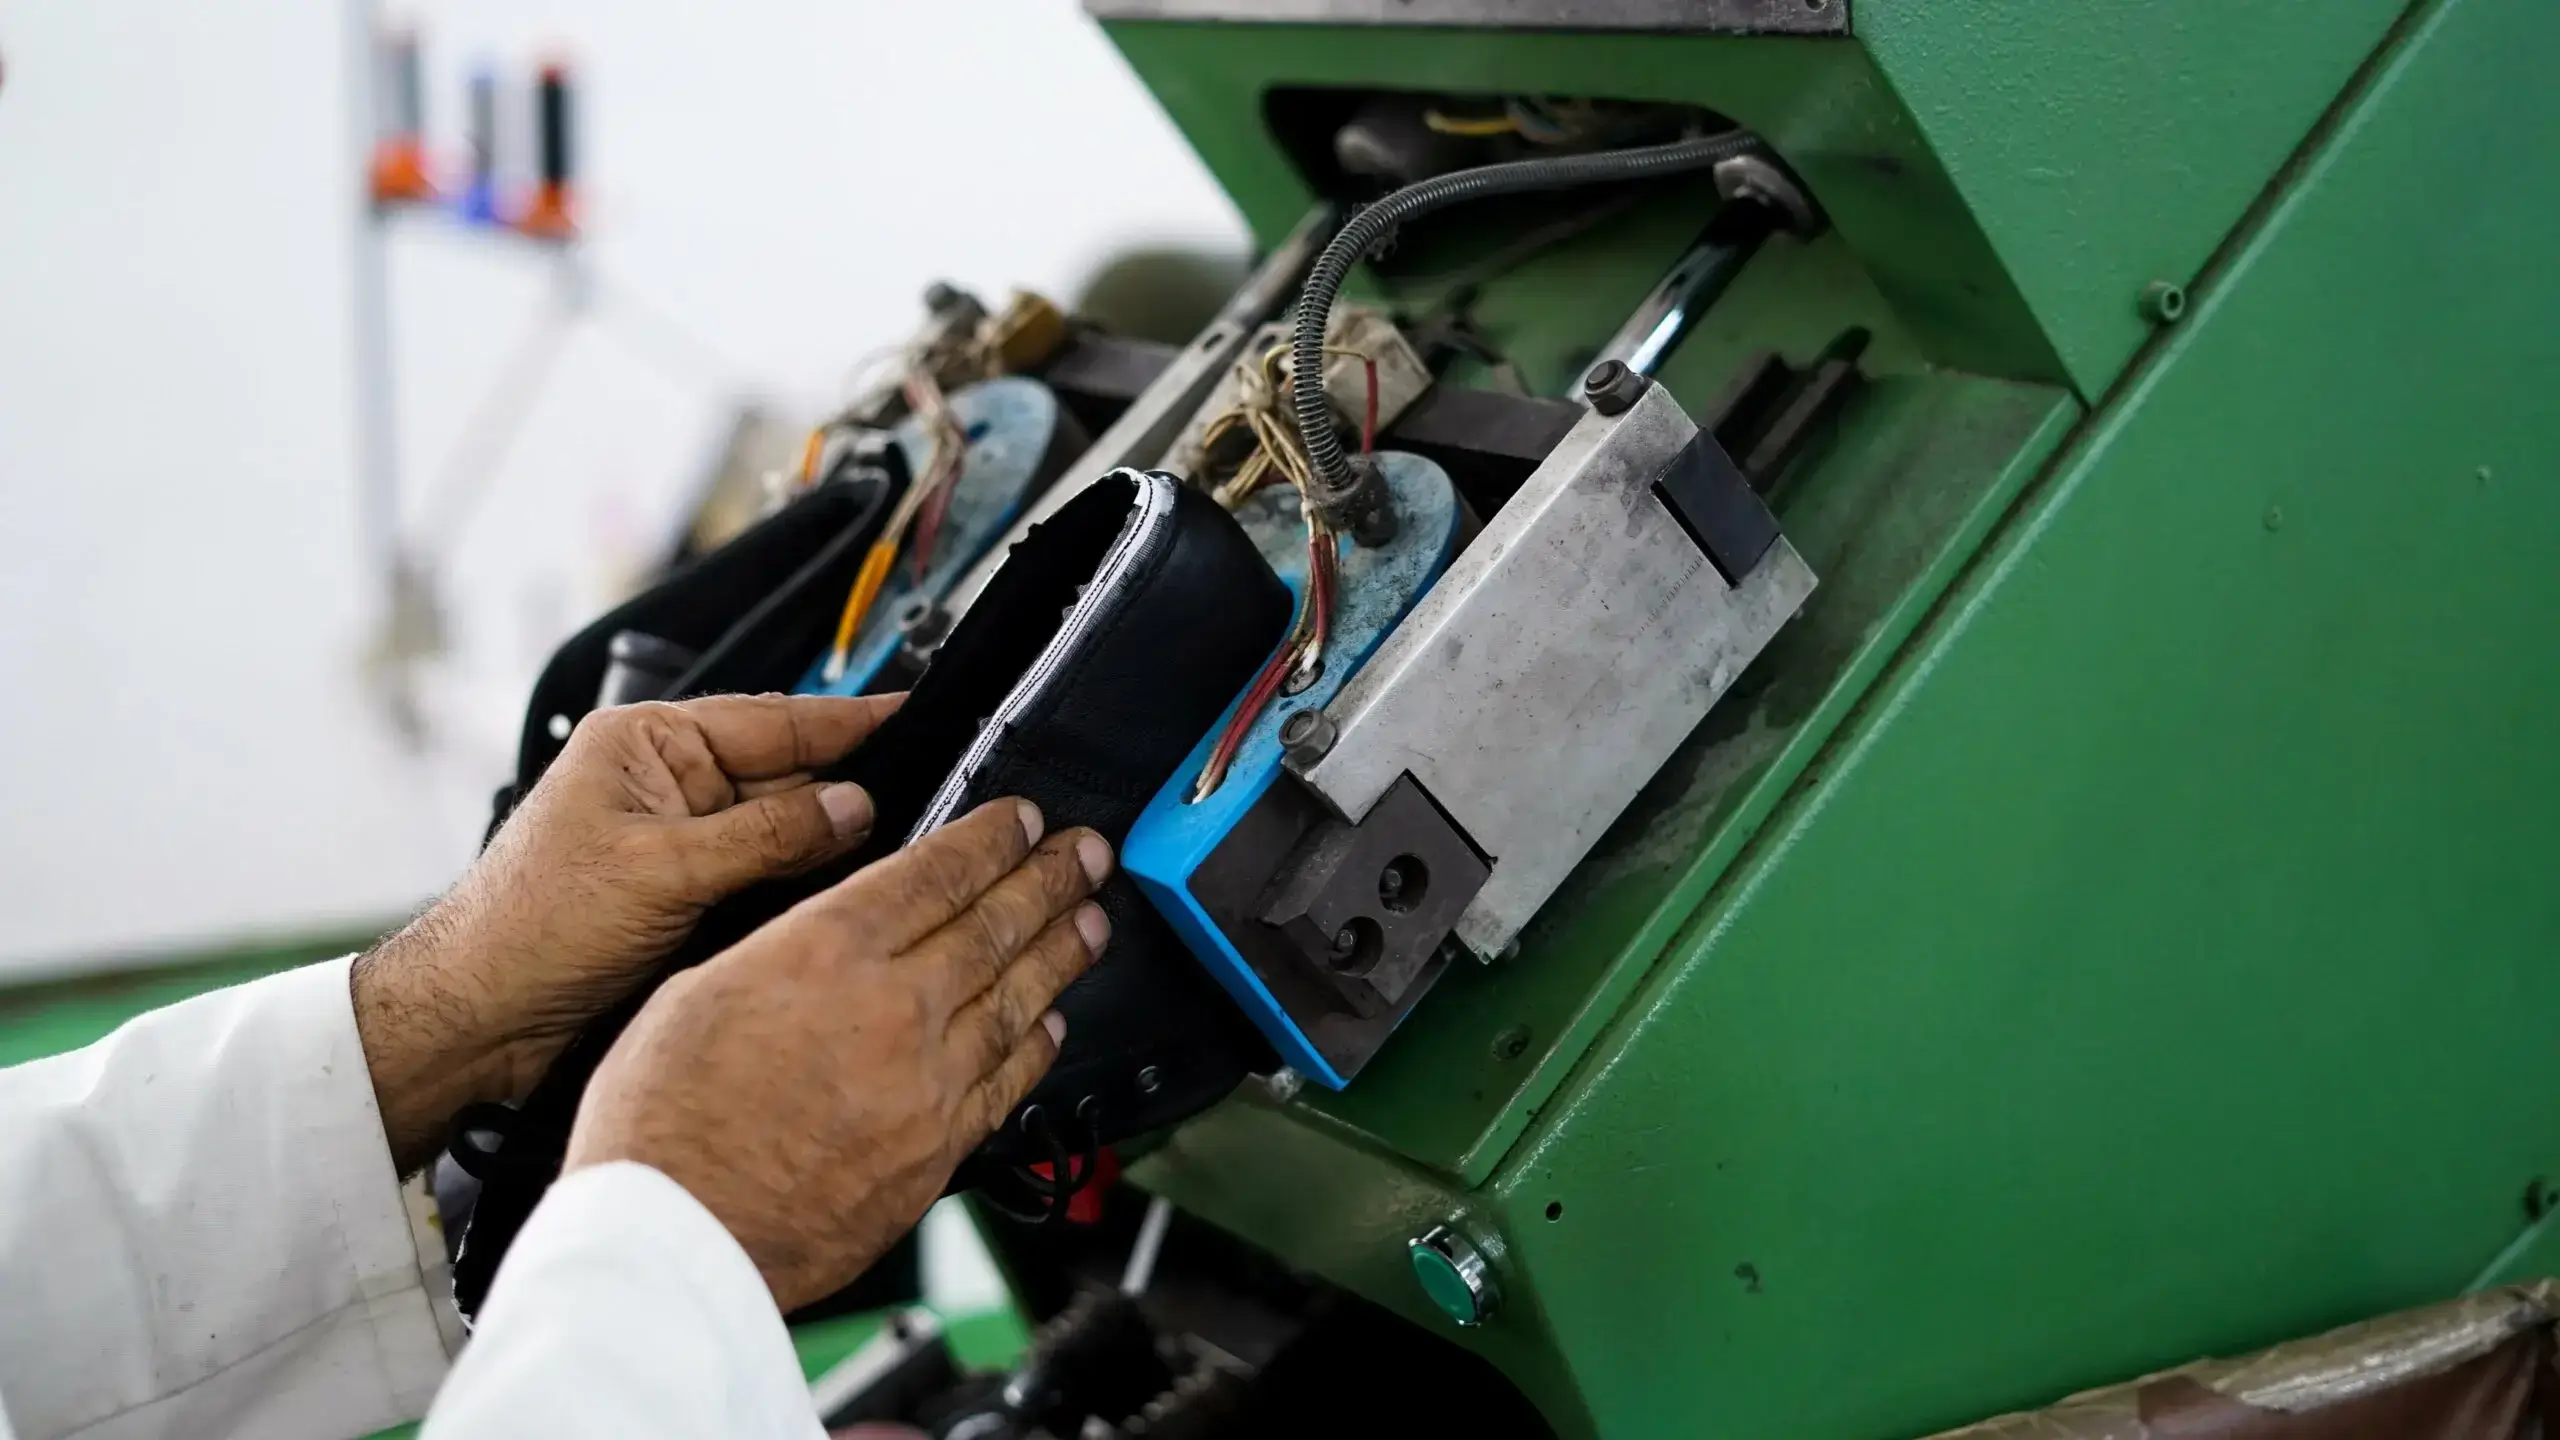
(1300, 659)
(1370, 227)
(810, 450)
(1470, 126)
(929, 496)
(949, 454)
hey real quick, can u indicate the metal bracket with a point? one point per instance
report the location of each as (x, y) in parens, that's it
(1566, 653)
(1686, 17)
(1717, 507)
(1367, 905)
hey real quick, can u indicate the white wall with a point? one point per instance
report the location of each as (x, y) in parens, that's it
(188, 748)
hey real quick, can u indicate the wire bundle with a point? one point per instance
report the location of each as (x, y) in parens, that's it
(1366, 230)
(926, 502)
(1261, 411)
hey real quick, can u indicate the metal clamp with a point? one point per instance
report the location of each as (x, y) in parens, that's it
(1566, 653)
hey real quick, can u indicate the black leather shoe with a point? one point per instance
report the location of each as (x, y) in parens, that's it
(1108, 643)
(743, 618)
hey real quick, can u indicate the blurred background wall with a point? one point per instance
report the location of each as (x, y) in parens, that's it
(193, 754)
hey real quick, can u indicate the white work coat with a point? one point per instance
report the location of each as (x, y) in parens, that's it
(202, 1236)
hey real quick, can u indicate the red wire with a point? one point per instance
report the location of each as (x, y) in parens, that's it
(1321, 579)
(929, 524)
(1322, 576)
(1257, 698)
(1369, 415)
(1320, 584)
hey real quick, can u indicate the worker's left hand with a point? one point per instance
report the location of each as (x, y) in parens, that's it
(651, 814)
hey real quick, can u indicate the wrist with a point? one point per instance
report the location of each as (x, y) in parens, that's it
(431, 1041)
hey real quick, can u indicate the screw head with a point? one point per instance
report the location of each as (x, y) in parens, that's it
(1455, 1274)
(922, 619)
(1612, 389)
(1150, 1079)
(1757, 180)
(1307, 737)
(2163, 301)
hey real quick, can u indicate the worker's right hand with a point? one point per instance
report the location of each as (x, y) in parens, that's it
(815, 1085)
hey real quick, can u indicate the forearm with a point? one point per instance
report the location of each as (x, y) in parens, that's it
(625, 1310)
(201, 1231)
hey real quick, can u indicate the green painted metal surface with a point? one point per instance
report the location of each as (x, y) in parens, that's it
(1821, 102)
(1922, 468)
(2114, 926)
(2104, 145)
(2011, 173)
(2165, 967)
(2155, 961)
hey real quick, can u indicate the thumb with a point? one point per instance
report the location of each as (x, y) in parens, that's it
(777, 834)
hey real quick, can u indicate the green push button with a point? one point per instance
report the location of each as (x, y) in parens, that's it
(1454, 1273)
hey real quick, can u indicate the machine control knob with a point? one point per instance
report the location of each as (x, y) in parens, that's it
(1455, 1273)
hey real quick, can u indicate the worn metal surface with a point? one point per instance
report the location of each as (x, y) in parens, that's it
(1759, 200)
(2338, 1373)
(1917, 474)
(1715, 17)
(1566, 653)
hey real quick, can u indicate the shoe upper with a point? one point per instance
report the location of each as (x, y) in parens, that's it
(1109, 642)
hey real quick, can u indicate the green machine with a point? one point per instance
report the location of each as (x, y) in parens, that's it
(2113, 922)
(2109, 919)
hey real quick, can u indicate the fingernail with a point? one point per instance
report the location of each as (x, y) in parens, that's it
(848, 807)
(1094, 855)
(1094, 926)
(1031, 823)
(1056, 1025)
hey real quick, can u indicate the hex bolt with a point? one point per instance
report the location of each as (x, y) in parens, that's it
(1612, 388)
(2163, 301)
(1307, 737)
(1758, 180)
(922, 620)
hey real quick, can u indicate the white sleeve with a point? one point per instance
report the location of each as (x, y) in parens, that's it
(202, 1235)
(625, 1310)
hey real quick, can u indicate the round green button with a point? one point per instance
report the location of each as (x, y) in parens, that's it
(1453, 1274)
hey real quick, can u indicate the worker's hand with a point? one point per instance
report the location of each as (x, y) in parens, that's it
(815, 1085)
(650, 814)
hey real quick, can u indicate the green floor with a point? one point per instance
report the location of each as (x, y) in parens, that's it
(49, 1018)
